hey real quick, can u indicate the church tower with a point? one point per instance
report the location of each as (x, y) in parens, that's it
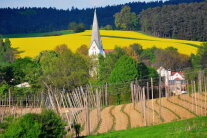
(96, 46)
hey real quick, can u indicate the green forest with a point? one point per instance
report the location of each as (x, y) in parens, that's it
(38, 20)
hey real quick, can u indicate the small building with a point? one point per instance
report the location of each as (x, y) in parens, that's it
(175, 81)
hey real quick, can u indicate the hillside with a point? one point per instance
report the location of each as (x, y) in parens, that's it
(195, 127)
(30, 20)
(122, 117)
(33, 45)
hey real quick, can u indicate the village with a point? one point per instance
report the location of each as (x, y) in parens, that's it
(104, 72)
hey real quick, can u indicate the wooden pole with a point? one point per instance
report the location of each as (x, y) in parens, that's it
(192, 94)
(160, 97)
(106, 95)
(98, 105)
(9, 98)
(195, 96)
(145, 122)
(88, 114)
(148, 101)
(153, 116)
(200, 90)
(132, 94)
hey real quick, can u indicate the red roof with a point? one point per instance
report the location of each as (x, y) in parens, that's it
(180, 72)
(108, 50)
(177, 79)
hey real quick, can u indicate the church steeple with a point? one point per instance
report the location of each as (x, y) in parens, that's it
(95, 38)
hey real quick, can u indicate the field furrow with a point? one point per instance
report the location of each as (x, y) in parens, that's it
(149, 114)
(135, 117)
(120, 118)
(195, 106)
(107, 120)
(167, 115)
(183, 113)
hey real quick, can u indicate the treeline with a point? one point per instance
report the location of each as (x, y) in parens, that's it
(31, 20)
(183, 21)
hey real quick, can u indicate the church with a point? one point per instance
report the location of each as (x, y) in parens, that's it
(96, 46)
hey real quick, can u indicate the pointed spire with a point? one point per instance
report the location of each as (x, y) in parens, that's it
(95, 32)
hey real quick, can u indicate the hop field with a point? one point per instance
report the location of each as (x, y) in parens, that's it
(33, 45)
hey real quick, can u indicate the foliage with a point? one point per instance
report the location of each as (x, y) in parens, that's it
(25, 69)
(30, 20)
(169, 58)
(125, 19)
(51, 124)
(132, 53)
(77, 28)
(186, 22)
(125, 70)
(6, 123)
(152, 72)
(199, 60)
(68, 70)
(26, 126)
(4, 88)
(77, 128)
(7, 53)
(83, 50)
(6, 74)
(107, 27)
(46, 124)
(107, 64)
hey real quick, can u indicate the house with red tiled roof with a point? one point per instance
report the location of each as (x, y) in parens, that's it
(175, 81)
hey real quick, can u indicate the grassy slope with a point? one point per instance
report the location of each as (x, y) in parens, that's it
(195, 127)
(54, 33)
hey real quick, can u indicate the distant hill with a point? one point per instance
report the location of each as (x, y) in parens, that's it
(31, 20)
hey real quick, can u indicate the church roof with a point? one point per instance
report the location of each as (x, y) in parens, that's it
(95, 32)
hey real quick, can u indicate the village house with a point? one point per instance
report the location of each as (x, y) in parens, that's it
(175, 81)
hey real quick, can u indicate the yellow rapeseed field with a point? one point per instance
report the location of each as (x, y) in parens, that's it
(32, 46)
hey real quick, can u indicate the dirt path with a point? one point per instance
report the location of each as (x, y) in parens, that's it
(135, 117)
(183, 113)
(120, 118)
(107, 120)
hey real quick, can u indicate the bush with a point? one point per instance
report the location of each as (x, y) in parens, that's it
(26, 126)
(52, 125)
(47, 124)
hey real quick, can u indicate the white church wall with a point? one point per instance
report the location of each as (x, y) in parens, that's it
(94, 50)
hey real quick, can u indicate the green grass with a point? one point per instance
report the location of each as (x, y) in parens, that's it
(54, 33)
(195, 127)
